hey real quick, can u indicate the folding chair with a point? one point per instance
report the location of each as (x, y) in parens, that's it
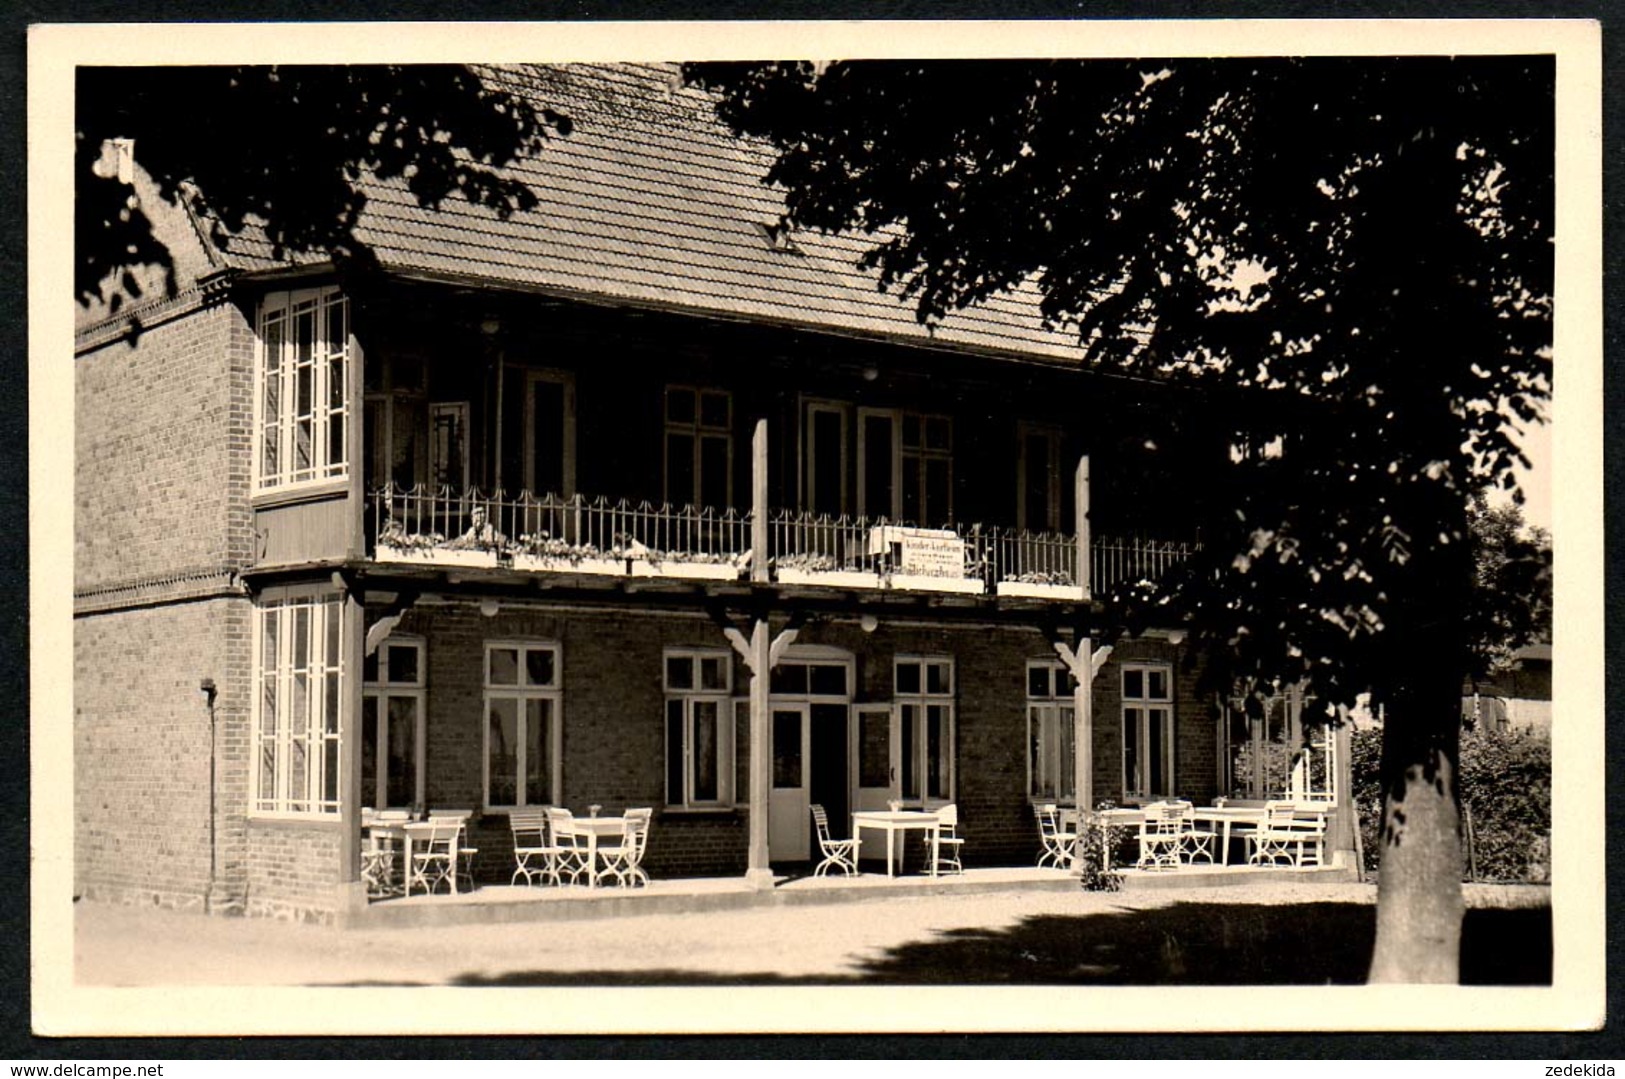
(840, 854)
(532, 854)
(946, 842)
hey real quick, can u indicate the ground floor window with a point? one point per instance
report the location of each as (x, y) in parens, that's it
(299, 671)
(699, 727)
(1148, 731)
(1270, 749)
(1051, 760)
(924, 689)
(392, 729)
(524, 723)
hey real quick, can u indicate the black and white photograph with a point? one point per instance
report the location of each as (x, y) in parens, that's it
(559, 530)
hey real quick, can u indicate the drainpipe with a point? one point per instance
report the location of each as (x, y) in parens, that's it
(209, 692)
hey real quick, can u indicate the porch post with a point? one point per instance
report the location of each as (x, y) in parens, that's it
(352, 892)
(1083, 732)
(757, 872)
(1345, 850)
(758, 504)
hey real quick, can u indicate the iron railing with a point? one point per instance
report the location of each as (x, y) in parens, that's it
(563, 530)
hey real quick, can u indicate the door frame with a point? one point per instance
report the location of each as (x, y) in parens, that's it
(822, 654)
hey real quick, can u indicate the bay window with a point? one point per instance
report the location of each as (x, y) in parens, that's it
(301, 388)
(300, 678)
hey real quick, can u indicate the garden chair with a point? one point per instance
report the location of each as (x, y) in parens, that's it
(946, 842)
(435, 845)
(1278, 837)
(532, 854)
(465, 853)
(572, 849)
(624, 862)
(1058, 842)
(1194, 842)
(1162, 834)
(839, 854)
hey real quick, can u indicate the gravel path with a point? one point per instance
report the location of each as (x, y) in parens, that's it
(127, 946)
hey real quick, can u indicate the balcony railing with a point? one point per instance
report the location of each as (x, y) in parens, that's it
(584, 535)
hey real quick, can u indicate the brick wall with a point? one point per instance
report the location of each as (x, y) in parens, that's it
(614, 742)
(141, 751)
(293, 870)
(161, 452)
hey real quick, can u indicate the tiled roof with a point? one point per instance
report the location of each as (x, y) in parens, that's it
(651, 200)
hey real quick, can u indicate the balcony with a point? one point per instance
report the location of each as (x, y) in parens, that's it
(445, 528)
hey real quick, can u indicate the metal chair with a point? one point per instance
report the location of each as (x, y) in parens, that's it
(624, 862)
(1058, 842)
(571, 851)
(465, 853)
(1194, 842)
(1291, 833)
(434, 853)
(946, 842)
(529, 829)
(839, 854)
(1162, 833)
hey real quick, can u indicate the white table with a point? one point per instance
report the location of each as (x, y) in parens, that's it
(1225, 816)
(892, 822)
(592, 828)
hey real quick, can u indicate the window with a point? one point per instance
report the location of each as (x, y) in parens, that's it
(538, 435)
(699, 728)
(524, 727)
(448, 445)
(301, 392)
(699, 447)
(1044, 493)
(905, 466)
(1051, 759)
(1148, 730)
(823, 457)
(392, 725)
(924, 689)
(298, 667)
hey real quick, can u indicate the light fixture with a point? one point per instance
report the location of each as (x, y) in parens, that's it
(1176, 637)
(870, 373)
(489, 607)
(868, 622)
(490, 327)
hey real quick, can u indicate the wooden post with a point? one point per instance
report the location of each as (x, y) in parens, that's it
(352, 892)
(1080, 506)
(1083, 736)
(758, 506)
(757, 871)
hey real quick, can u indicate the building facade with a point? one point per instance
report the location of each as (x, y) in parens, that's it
(623, 502)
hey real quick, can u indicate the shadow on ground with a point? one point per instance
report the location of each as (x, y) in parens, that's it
(1181, 944)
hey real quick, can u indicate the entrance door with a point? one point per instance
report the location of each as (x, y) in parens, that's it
(787, 799)
(873, 756)
(828, 776)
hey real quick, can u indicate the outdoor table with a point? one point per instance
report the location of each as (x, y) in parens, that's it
(592, 828)
(892, 822)
(1225, 816)
(395, 830)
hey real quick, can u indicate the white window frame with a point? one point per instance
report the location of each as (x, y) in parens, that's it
(458, 412)
(921, 454)
(330, 405)
(1135, 786)
(925, 700)
(567, 434)
(689, 696)
(1052, 713)
(523, 692)
(386, 689)
(699, 431)
(273, 731)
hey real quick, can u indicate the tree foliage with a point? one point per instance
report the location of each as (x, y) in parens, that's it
(1512, 586)
(284, 149)
(1364, 243)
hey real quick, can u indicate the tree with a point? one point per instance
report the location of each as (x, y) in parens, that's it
(284, 150)
(1363, 245)
(1512, 586)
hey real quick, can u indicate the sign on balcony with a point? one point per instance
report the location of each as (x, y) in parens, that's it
(923, 552)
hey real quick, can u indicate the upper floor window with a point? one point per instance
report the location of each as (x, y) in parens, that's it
(905, 466)
(1043, 490)
(699, 447)
(1148, 730)
(299, 672)
(301, 388)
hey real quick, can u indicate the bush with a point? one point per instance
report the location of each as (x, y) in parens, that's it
(1506, 799)
(1101, 872)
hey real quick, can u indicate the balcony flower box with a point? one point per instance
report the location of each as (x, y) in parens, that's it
(601, 566)
(920, 582)
(693, 571)
(827, 578)
(1039, 590)
(438, 556)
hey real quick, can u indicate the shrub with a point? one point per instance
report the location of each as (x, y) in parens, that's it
(1102, 853)
(1506, 797)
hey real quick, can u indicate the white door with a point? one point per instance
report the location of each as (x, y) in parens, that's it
(873, 756)
(788, 821)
